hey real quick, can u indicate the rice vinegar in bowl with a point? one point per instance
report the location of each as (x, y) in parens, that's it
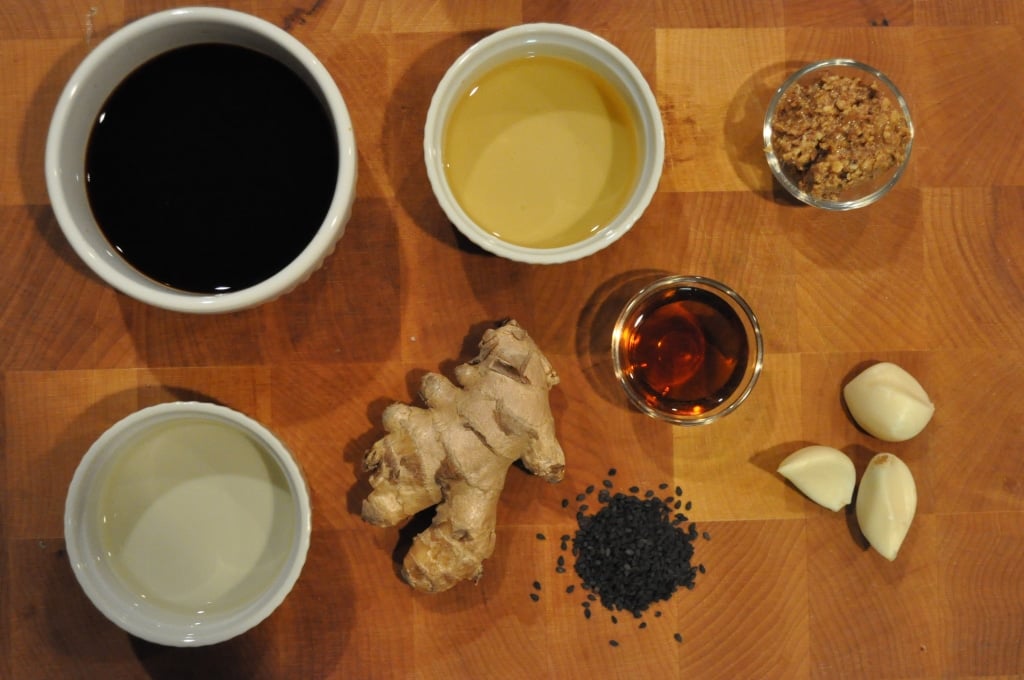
(187, 523)
(193, 515)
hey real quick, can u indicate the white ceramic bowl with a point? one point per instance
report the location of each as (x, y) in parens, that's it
(567, 42)
(187, 523)
(100, 73)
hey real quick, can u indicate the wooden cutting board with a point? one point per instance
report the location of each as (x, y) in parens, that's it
(930, 277)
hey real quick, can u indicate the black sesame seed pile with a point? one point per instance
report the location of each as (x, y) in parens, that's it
(632, 553)
(632, 550)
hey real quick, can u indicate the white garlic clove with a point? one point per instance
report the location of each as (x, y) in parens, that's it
(823, 474)
(886, 503)
(888, 403)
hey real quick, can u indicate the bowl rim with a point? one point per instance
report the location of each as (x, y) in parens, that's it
(776, 165)
(513, 39)
(153, 292)
(747, 317)
(118, 609)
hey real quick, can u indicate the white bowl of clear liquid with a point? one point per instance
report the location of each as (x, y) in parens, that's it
(187, 523)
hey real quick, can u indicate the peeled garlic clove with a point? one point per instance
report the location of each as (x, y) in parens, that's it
(886, 503)
(888, 402)
(823, 474)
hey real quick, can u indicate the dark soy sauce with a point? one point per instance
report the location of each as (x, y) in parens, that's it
(211, 167)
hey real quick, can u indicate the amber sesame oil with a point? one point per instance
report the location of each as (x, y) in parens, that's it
(686, 351)
(196, 516)
(542, 151)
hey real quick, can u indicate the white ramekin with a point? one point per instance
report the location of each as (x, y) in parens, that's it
(570, 43)
(100, 73)
(112, 596)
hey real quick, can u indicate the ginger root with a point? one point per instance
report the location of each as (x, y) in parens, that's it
(456, 452)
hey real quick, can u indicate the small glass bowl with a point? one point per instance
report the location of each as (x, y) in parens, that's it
(687, 350)
(862, 193)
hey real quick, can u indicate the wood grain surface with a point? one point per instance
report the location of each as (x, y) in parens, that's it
(931, 277)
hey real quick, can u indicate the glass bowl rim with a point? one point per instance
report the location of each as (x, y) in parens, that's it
(776, 166)
(747, 317)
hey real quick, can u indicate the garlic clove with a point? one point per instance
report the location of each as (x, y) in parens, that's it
(886, 503)
(888, 403)
(823, 474)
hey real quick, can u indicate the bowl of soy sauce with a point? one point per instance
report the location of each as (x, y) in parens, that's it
(201, 160)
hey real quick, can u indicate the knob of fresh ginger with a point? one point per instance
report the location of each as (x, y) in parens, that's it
(456, 452)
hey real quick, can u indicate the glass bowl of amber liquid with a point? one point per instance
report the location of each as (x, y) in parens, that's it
(687, 350)
(838, 134)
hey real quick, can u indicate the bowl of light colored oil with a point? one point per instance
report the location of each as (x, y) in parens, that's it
(543, 143)
(187, 523)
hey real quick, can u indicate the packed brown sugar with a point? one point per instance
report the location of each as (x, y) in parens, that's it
(836, 133)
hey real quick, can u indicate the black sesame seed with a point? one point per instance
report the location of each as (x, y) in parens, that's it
(541, 537)
(669, 499)
(643, 624)
(611, 472)
(607, 483)
(536, 585)
(634, 489)
(679, 491)
(707, 536)
(701, 569)
(534, 596)
(677, 505)
(559, 570)
(613, 643)
(565, 502)
(657, 614)
(561, 560)
(564, 546)
(590, 489)
(663, 486)
(648, 494)
(631, 555)
(603, 496)
(570, 589)
(615, 619)
(565, 537)
(581, 497)
(585, 604)
(584, 507)
(591, 597)
(586, 613)
(678, 637)
(689, 505)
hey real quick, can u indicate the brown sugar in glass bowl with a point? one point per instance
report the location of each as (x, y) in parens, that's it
(838, 134)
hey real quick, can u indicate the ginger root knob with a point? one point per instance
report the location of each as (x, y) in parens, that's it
(456, 452)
